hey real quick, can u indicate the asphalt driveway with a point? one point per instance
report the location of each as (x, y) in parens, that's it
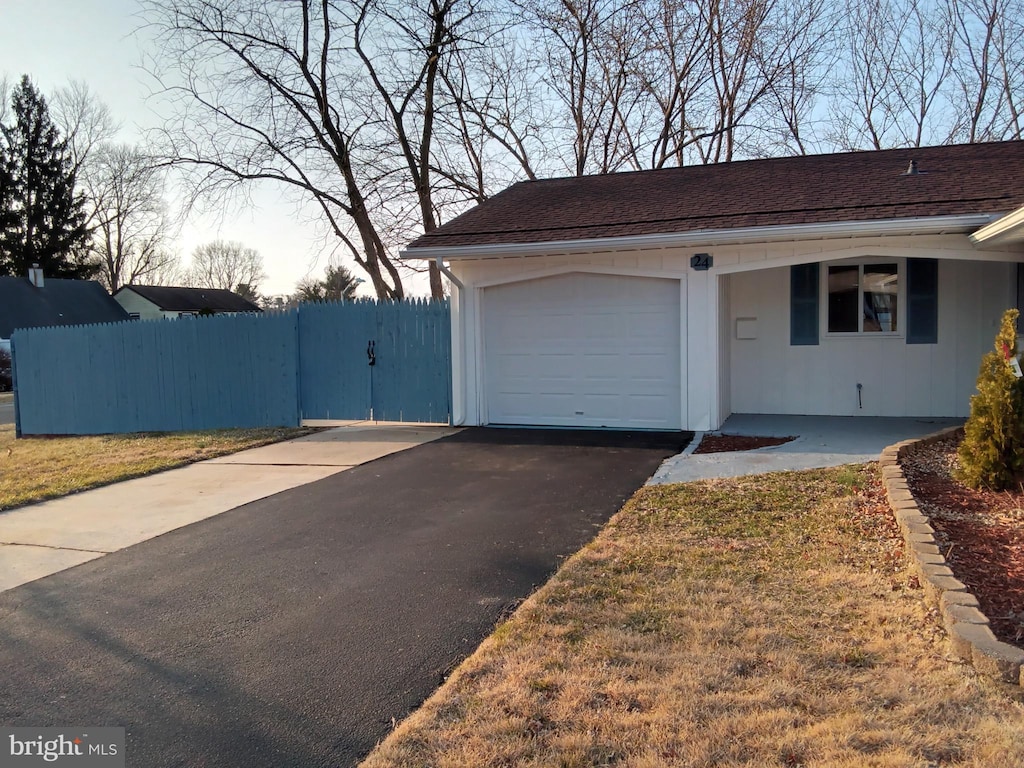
(295, 630)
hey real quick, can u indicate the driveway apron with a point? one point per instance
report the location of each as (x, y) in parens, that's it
(295, 630)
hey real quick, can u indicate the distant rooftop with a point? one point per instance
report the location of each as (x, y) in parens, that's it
(58, 302)
(810, 189)
(179, 299)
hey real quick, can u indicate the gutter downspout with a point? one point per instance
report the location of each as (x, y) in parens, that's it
(444, 270)
(448, 273)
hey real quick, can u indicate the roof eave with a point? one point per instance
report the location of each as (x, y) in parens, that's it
(927, 225)
(1004, 230)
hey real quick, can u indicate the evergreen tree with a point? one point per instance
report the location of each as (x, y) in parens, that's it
(42, 219)
(8, 217)
(992, 451)
(337, 284)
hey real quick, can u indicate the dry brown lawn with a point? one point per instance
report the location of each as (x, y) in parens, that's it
(764, 621)
(38, 468)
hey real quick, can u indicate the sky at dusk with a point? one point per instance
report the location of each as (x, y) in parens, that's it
(95, 41)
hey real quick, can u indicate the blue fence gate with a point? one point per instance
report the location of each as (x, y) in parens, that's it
(271, 369)
(387, 361)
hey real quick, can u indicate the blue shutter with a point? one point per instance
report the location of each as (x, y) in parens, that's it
(804, 290)
(922, 301)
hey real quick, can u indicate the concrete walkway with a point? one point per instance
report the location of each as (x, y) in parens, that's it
(45, 538)
(821, 441)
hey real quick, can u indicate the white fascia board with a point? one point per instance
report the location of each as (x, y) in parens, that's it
(1006, 229)
(925, 225)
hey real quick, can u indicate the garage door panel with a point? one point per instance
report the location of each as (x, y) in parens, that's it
(584, 350)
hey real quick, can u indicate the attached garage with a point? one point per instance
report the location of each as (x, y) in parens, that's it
(671, 298)
(583, 350)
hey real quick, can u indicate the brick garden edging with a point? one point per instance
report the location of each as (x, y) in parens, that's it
(968, 628)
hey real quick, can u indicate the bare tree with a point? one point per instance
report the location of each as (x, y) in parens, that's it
(988, 67)
(129, 215)
(226, 264)
(494, 127)
(124, 191)
(676, 74)
(390, 116)
(570, 34)
(85, 121)
(172, 272)
(1009, 45)
(334, 99)
(896, 76)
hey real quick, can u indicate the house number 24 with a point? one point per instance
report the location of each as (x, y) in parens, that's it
(701, 262)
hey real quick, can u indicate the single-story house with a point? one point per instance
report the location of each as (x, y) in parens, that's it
(34, 301)
(865, 283)
(151, 302)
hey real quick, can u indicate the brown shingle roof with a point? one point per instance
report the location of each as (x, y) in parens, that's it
(857, 186)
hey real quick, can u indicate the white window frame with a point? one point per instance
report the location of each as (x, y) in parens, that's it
(860, 333)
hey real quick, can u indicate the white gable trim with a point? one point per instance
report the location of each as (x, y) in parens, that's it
(572, 268)
(1008, 229)
(869, 250)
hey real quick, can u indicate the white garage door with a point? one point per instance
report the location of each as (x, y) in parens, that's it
(584, 350)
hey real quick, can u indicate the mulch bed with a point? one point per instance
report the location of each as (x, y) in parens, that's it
(981, 534)
(723, 443)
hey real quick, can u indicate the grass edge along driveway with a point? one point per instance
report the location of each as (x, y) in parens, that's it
(761, 621)
(40, 468)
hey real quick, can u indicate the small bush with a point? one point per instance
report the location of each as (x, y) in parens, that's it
(992, 451)
(5, 370)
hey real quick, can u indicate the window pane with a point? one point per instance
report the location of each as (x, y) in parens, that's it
(843, 311)
(880, 289)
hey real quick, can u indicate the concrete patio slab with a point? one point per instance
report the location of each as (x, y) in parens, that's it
(821, 441)
(45, 538)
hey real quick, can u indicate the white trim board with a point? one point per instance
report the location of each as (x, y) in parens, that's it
(928, 225)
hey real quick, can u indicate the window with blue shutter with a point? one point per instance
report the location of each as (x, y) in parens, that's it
(804, 290)
(922, 301)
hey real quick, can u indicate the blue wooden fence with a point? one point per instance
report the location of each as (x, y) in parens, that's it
(273, 369)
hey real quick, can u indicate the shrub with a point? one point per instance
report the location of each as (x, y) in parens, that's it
(992, 451)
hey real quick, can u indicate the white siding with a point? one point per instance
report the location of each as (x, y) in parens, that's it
(766, 375)
(135, 304)
(898, 379)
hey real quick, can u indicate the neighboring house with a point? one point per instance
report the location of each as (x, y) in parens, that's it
(148, 302)
(40, 301)
(866, 283)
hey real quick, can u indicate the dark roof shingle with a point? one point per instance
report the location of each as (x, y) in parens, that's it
(179, 299)
(58, 302)
(809, 189)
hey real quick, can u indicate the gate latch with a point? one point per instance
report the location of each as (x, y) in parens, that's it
(371, 352)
